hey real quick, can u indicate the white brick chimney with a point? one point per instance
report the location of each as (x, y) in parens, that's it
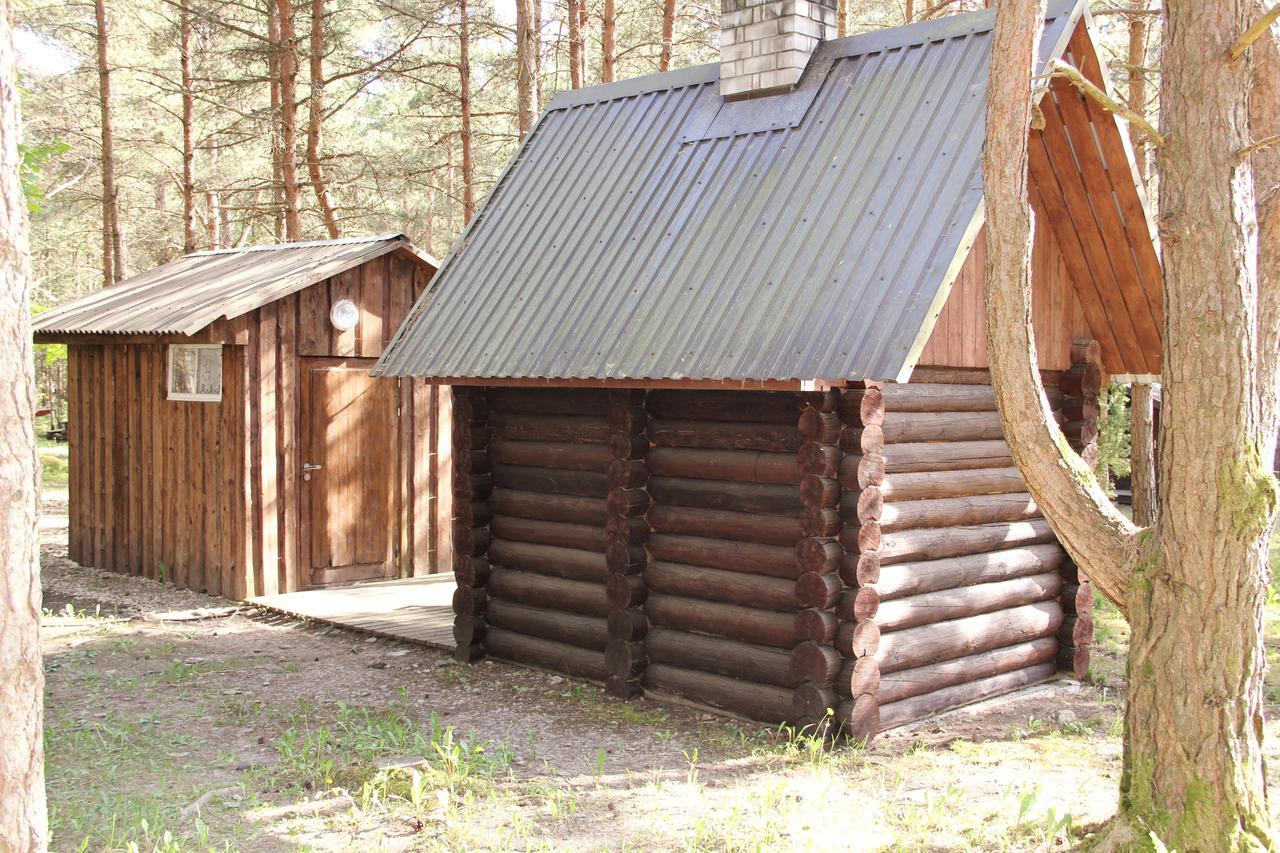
(766, 44)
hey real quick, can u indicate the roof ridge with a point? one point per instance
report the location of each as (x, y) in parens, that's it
(299, 244)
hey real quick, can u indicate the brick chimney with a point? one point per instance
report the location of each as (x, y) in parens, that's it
(766, 44)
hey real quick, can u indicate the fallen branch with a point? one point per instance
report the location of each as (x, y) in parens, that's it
(1058, 68)
(1255, 32)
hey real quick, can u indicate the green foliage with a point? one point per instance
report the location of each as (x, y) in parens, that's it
(35, 157)
(1113, 435)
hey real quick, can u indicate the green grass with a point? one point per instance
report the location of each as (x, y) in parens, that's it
(54, 471)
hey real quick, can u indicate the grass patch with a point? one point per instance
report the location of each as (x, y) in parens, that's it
(593, 702)
(55, 472)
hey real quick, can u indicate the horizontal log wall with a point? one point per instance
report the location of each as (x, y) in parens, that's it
(953, 579)
(156, 485)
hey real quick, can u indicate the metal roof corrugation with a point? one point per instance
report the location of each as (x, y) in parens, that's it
(186, 295)
(610, 249)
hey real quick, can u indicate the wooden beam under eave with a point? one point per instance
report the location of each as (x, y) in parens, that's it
(689, 384)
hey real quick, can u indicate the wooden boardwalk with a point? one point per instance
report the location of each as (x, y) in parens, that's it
(418, 610)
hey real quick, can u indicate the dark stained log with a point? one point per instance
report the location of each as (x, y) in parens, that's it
(824, 459)
(473, 434)
(471, 541)
(823, 401)
(902, 579)
(570, 563)
(468, 600)
(1081, 409)
(748, 624)
(954, 512)
(471, 571)
(1082, 380)
(936, 543)
(820, 522)
(625, 590)
(749, 557)
(589, 402)
(550, 454)
(589, 632)
(942, 484)
(858, 604)
(628, 503)
(908, 427)
(724, 495)
(865, 505)
(628, 446)
(627, 473)
(816, 663)
(925, 397)
(1081, 432)
(473, 513)
(587, 484)
(859, 718)
(468, 654)
(563, 508)
(955, 638)
(1086, 350)
(539, 532)
(863, 539)
(1074, 660)
(1077, 598)
(863, 405)
(924, 679)
(866, 440)
(919, 707)
(550, 592)
(561, 657)
(751, 466)
(623, 688)
(818, 555)
(632, 531)
(624, 559)
(819, 427)
(724, 657)
(475, 461)
(729, 587)
(1076, 631)
(860, 569)
(560, 428)
(627, 623)
(812, 705)
(859, 677)
(819, 626)
(731, 406)
(816, 491)
(468, 629)
(815, 590)
(472, 487)
(775, 438)
(946, 456)
(744, 698)
(625, 660)
(724, 524)
(858, 639)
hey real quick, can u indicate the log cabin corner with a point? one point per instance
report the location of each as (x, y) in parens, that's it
(225, 434)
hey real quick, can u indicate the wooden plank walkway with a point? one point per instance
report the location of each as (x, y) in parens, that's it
(418, 610)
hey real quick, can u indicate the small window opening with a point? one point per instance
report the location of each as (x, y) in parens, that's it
(195, 372)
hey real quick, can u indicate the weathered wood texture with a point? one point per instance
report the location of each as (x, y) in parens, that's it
(211, 495)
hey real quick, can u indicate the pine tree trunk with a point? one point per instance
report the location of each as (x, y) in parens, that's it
(277, 149)
(287, 48)
(189, 236)
(1142, 469)
(1264, 123)
(575, 43)
(23, 821)
(315, 123)
(668, 34)
(909, 11)
(608, 51)
(526, 64)
(113, 265)
(1138, 80)
(464, 101)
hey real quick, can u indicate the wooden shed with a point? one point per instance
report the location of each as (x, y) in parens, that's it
(225, 433)
(723, 425)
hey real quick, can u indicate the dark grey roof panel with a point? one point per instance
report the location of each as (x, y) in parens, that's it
(186, 295)
(649, 231)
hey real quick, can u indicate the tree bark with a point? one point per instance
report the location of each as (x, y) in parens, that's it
(315, 123)
(576, 13)
(1264, 122)
(23, 821)
(287, 49)
(189, 236)
(608, 51)
(1142, 467)
(113, 264)
(274, 116)
(668, 34)
(526, 64)
(1138, 80)
(464, 101)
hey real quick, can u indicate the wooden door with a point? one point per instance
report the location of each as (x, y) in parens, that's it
(350, 522)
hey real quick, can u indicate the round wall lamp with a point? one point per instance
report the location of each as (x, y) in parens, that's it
(344, 315)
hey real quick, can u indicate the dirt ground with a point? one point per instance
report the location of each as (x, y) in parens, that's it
(255, 732)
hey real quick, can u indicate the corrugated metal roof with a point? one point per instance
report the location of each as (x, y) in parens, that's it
(186, 295)
(649, 229)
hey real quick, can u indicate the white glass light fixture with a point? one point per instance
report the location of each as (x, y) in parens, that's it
(344, 315)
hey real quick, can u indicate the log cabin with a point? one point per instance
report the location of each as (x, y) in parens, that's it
(723, 427)
(225, 434)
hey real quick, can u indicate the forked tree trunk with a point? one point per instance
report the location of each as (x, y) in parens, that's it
(113, 266)
(464, 104)
(287, 65)
(315, 123)
(575, 43)
(668, 34)
(1194, 588)
(23, 823)
(189, 236)
(1142, 469)
(608, 51)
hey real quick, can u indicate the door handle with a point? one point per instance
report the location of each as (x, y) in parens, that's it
(307, 468)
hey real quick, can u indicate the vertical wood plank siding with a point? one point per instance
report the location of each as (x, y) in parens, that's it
(207, 495)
